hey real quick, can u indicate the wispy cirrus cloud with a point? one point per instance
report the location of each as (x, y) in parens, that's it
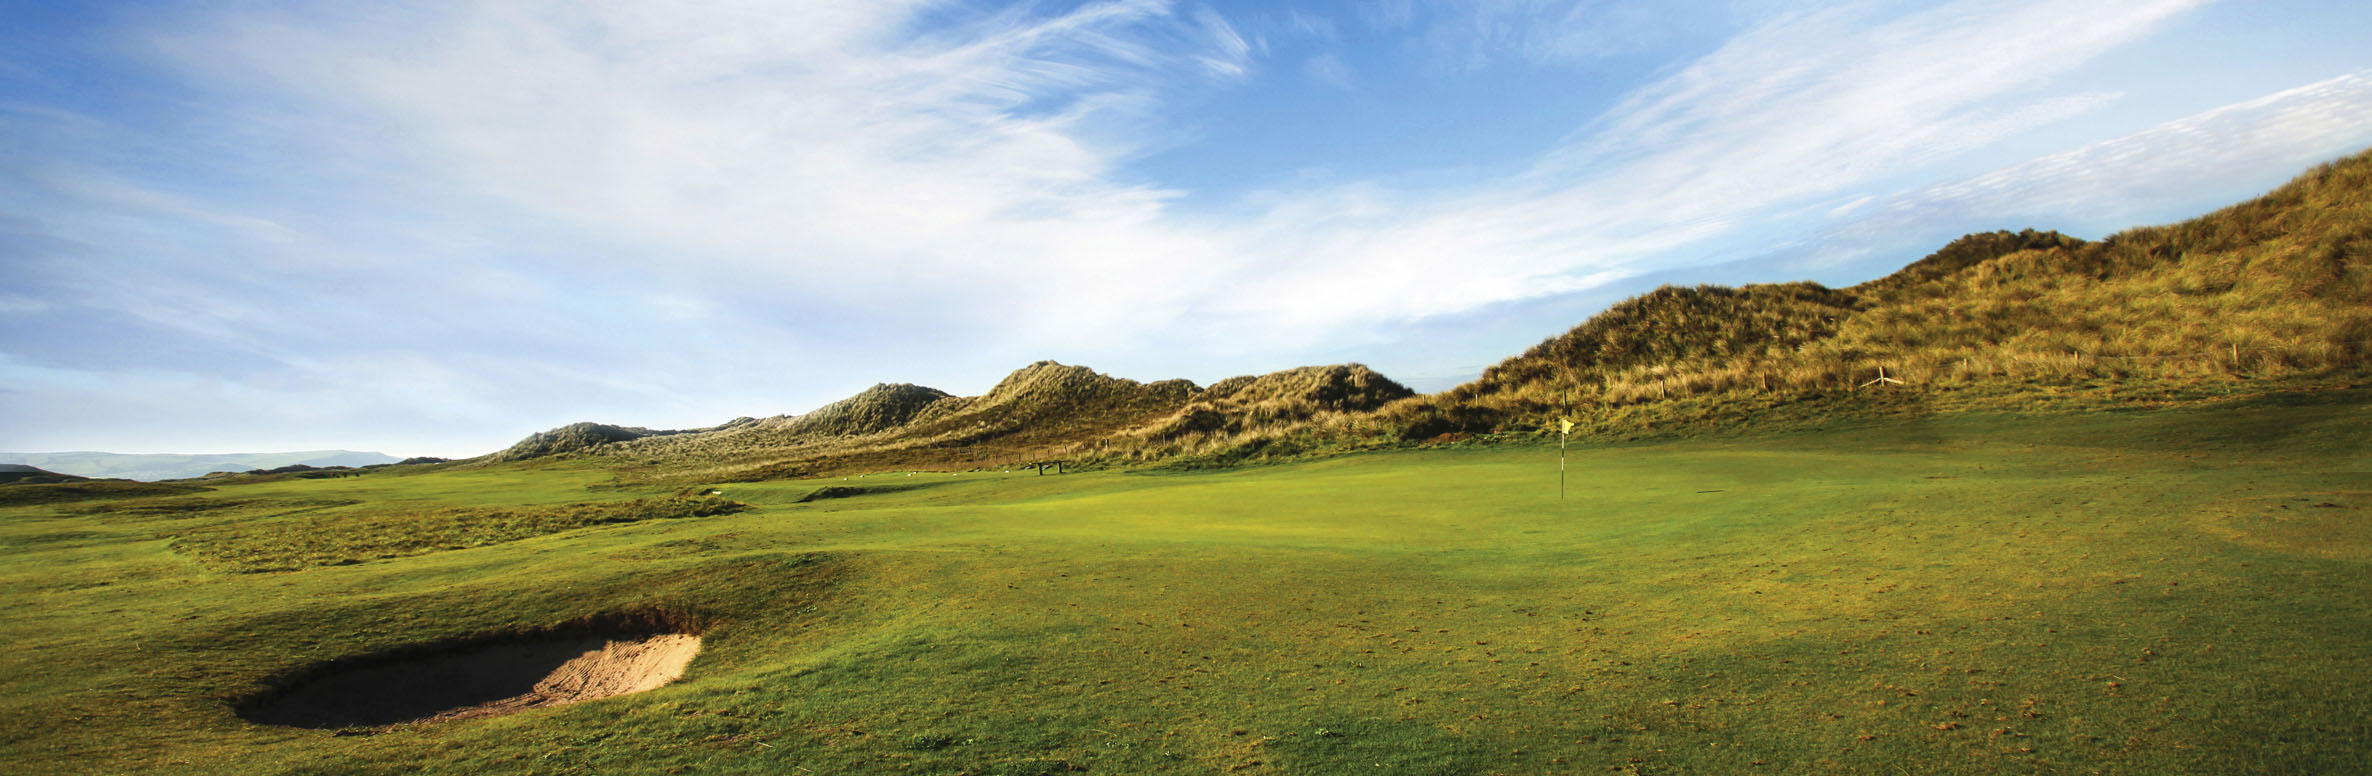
(2270, 139)
(1785, 111)
(1780, 117)
(826, 156)
(2121, 182)
(1474, 34)
(744, 207)
(1330, 70)
(665, 192)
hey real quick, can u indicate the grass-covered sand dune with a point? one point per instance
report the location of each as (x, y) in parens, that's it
(2146, 592)
(2273, 293)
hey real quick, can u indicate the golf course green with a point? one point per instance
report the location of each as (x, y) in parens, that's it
(2147, 592)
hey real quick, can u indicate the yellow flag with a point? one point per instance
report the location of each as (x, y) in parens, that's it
(1568, 429)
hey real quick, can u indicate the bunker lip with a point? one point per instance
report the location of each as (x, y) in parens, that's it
(486, 675)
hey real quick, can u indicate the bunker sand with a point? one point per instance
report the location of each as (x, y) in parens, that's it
(481, 681)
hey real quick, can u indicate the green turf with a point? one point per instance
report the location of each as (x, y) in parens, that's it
(2132, 592)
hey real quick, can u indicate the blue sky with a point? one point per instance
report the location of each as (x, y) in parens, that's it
(433, 229)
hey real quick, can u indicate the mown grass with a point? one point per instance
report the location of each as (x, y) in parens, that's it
(2138, 592)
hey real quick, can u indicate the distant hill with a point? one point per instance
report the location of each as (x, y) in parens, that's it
(579, 437)
(1043, 411)
(17, 473)
(879, 408)
(165, 466)
(2271, 294)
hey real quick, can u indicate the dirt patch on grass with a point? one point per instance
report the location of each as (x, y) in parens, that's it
(2331, 525)
(475, 679)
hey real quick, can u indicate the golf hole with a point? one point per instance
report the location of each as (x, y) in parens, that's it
(476, 678)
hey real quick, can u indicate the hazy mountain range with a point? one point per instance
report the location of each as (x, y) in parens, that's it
(171, 466)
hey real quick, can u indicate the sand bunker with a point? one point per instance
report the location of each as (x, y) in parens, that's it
(479, 681)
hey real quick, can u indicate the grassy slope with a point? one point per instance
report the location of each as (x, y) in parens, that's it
(2130, 592)
(1042, 412)
(2274, 294)
(2274, 290)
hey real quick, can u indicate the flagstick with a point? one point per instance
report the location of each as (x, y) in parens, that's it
(1561, 467)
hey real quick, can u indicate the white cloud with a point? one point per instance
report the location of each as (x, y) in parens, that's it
(1820, 100)
(1469, 35)
(820, 148)
(108, 192)
(1309, 25)
(1229, 54)
(2106, 185)
(1330, 70)
(974, 167)
(678, 185)
(1802, 107)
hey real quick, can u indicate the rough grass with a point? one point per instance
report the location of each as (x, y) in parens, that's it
(880, 408)
(87, 490)
(1044, 412)
(2143, 592)
(354, 536)
(2278, 289)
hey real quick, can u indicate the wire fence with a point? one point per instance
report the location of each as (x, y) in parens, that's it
(2229, 355)
(1864, 370)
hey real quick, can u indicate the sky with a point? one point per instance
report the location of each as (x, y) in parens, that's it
(434, 228)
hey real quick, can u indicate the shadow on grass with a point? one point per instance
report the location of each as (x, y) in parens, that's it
(484, 675)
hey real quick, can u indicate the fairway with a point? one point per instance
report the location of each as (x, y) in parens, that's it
(1149, 387)
(2121, 592)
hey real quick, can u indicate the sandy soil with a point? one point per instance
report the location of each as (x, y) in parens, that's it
(484, 681)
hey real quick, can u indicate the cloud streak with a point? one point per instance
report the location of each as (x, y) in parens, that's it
(1780, 117)
(569, 207)
(2270, 138)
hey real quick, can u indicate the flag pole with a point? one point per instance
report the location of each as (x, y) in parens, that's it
(1562, 433)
